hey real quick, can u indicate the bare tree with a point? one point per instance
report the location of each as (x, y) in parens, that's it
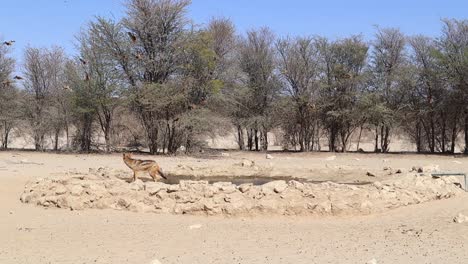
(453, 56)
(257, 61)
(387, 60)
(298, 65)
(43, 72)
(8, 97)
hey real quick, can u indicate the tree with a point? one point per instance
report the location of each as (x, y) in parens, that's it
(453, 56)
(9, 97)
(257, 62)
(103, 79)
(298, 65)
(43, 75)
(387, 60)
(343, 63)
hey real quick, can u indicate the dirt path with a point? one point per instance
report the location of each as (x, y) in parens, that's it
(417, 234)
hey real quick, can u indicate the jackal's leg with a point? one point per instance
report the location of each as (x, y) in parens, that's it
(153, 172)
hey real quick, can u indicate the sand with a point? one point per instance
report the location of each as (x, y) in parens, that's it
(421, 233)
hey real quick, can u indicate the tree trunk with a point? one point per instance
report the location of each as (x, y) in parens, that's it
(256, 140)
(250, 139)
(265, 140)
(418, 137)
(56, 139)
(359, 138)
(240, 137)
(466, 133)
(376, 148)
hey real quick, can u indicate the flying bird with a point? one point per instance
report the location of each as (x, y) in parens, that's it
(132, 36)
(18, 77)
(82, 61)
(8, 43)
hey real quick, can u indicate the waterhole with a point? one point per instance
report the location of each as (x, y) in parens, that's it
(238, 180)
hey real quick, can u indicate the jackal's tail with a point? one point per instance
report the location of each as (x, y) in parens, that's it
(162, 174)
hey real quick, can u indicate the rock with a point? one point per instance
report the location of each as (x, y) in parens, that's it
(173, 188)
(387, 168)
(60, 189)
(193, 185)
(372, 261)
(244, 187)
(370, 174)
(247, 163)
(430, 168)
(274, 186)
(378, 185)
(398, 171)
(457, 162)
(297, 185)
(330, 158)
(154, 187)
(224, 154)
(268, 156)
(420, 170)
(76, 190)
(360, 150)
(155, 261)
(196, 226)
(460, 218)
(137, 185)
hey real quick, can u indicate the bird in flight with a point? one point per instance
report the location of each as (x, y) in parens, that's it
(8, 43)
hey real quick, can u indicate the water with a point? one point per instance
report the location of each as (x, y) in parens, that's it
(238, 180)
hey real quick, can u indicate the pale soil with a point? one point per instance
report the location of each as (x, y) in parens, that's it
(423, 233)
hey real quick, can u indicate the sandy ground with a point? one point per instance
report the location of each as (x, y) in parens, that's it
(423, 233)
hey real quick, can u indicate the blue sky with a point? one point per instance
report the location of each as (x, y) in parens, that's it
(42, 23)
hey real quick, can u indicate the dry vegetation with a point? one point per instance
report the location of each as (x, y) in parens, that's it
(155, 80)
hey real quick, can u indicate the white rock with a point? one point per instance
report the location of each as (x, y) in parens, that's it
(224, 154)
(274, 186)
(245, 187)
(60, 189)
(154, 187)
(460, 218)
(137, 185)
(457, 162)
(196, 226)
(268, 156)
(372, 261)
(155, 261)
(430, 168)
(330, 158)
(76, 190)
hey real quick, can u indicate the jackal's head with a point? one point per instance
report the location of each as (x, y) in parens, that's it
(127, 155)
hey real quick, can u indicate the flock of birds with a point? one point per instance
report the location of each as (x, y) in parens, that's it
(17, 77)
(131, 35)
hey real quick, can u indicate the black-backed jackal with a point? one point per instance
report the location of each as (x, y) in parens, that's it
(143, 165)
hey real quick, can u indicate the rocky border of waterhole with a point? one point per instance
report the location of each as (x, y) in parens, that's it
(100, 190)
